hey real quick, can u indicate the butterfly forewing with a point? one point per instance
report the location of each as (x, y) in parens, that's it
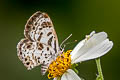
(40, 45)
(40, 28)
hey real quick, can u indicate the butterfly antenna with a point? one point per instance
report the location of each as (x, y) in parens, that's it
(65, 41)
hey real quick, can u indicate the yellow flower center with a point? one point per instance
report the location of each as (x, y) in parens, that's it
(60, 65)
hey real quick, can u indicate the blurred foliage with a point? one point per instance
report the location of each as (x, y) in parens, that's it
(78, 17)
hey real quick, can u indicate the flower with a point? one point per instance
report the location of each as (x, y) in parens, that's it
(93, 46)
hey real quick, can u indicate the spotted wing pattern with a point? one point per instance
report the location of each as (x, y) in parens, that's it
(40, 28)
(40, 45)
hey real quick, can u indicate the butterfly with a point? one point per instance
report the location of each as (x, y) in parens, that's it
(40, 43)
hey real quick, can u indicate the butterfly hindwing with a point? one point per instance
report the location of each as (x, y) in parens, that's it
(34, 53)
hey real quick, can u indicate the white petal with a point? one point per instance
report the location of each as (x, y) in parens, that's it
(95, 47)
(70, 75)
(80, 44)
(57, 78)
(76, 49)
(92, 33)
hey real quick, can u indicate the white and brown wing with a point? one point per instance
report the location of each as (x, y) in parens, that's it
(40, 28)
(34, 53)
(40, 45)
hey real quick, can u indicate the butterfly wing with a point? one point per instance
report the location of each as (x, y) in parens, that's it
(40, 45)
(35, 53)
(40, 28)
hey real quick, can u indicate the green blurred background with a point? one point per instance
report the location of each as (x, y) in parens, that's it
(78, 17)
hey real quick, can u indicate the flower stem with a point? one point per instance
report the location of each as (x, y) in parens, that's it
(100, 75)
